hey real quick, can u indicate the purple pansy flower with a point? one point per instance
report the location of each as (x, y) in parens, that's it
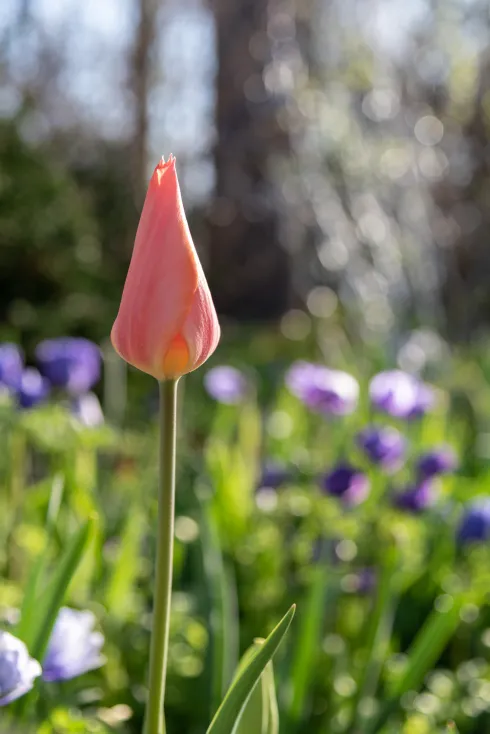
(322, 389)
(300, 376)
(351, 485)
(70, 363)
(32, 389)
(400, 394)
(417, 497)
(441, 460)
(18, 670)
(74, 647)
(11, 365)
(475, 523)
(87, 409)
(383, 446)
(226, 384)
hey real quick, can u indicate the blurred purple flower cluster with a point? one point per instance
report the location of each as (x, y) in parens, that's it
(72, 365)
(396, 393)
(74, 648)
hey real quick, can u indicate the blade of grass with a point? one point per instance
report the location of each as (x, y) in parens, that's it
(222, 604)
(228, 713)
(260, 713)
(25, 627)
(427, 647)
(311, 625)
(49, 603)
(377, 634)
(51, 600)
(120, 592)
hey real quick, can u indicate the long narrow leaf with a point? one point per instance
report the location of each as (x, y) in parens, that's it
(377, 633)
(260, 713)
(312, 619)
(424, 652)
(223, 616)
(29, 609)
(52, 599)
(120, 593)
(229, 712)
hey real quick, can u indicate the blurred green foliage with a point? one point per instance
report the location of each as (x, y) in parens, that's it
(64, 241)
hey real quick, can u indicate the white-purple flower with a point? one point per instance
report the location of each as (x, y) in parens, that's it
(226, 384)
(70, 363)
(385, 446)
(322, 389)
(18, 670)
(74, 647)
(400, 394)
(87, 409)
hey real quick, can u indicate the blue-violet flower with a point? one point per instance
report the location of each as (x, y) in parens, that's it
(73, 364)
(351, 485)
(18, 670)
(74, 647)
(323, 389)
(383, 446)
(475, 523)
(32, 389)
(400, 394)
(226, 384)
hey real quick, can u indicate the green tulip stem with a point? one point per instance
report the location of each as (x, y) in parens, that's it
(155, 719)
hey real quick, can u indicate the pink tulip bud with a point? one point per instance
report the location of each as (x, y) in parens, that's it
(167, 324)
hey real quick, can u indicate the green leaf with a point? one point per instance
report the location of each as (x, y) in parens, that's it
(226, 718)
(377, 632)
(223, 616)
(29, 609)
(52, 598)
(322, 591)
(260, 714)
(430, 642)
(120, 595)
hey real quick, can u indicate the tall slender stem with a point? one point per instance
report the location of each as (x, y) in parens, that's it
(154, 719)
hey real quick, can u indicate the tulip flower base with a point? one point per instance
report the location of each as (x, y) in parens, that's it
(155, 721)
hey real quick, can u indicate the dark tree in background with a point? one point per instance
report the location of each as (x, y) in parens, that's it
(248, 266)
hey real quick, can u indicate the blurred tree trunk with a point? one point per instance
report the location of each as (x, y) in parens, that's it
(140, 76)
(249, 268)
(464, 199)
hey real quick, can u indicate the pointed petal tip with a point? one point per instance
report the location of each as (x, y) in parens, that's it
(162, 164)
(163, 167)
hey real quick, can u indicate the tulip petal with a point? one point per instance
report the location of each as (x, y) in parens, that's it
(201, 328)
(163, 293)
